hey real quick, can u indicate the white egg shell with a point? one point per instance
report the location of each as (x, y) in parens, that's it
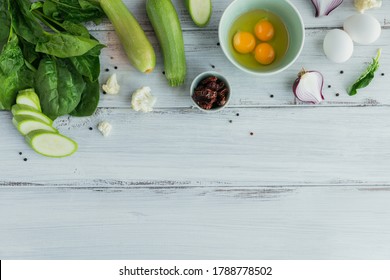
(363, 28)
(338, 46)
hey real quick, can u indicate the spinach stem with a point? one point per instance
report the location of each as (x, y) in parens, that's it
(45, 20)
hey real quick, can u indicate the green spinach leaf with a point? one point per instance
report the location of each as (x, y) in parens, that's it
(75, 29)
(5, 22)
(88, 65)
(64, 45)
(14, 75)
(8, 90)
(11, 59)
(29, 53)
(59, 87)
(366, 78)
(24, 23)
(36, 6)
(89, 100)
(57, 26)
(73, 10)
(11, 84)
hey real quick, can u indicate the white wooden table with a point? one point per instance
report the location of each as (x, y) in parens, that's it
(312, 182)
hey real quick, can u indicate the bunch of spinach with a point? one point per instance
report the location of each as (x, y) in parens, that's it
(44, 45)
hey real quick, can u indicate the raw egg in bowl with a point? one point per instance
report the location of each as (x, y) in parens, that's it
(261, 37)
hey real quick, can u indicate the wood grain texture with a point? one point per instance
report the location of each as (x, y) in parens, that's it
(312, 182)
(195, 223)
(289, 146)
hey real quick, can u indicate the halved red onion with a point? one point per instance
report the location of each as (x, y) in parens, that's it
(325, 7)
(308, 86)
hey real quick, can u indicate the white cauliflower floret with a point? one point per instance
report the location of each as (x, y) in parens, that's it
(143, 100)
(111, 86)
(363, 5)
(105, 128)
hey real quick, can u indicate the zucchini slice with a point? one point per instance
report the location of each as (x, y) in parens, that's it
(200, 11)
(30, 111)
(51, 144)
(25, 124)
(30, 98)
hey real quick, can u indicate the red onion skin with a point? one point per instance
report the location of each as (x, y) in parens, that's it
(295, 85)
(338, 3)
(317, 7)
(297, 80)
(333, 5)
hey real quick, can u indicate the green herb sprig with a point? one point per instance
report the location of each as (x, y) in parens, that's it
(366, 78)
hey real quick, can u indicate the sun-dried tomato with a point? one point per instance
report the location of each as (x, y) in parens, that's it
(211, 93)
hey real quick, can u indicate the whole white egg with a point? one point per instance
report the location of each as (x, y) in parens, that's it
(338, 46)
(363, 28)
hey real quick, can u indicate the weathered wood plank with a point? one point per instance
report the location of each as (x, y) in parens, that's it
(290, 146)
(311, 183)
(195, 223)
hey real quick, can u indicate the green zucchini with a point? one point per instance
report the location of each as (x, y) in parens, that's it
(166, 24)
(133, 39)
(200, 11)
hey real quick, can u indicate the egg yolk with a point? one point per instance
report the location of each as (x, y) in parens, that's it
(264, 53)
(244, 42)
(264, 30)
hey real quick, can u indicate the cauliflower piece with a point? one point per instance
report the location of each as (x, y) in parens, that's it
(143, 100)
(111, 86)
(363, 5)
(105, 128)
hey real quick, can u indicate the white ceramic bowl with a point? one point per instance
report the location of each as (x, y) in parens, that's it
(200, 78)
(287, 13)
